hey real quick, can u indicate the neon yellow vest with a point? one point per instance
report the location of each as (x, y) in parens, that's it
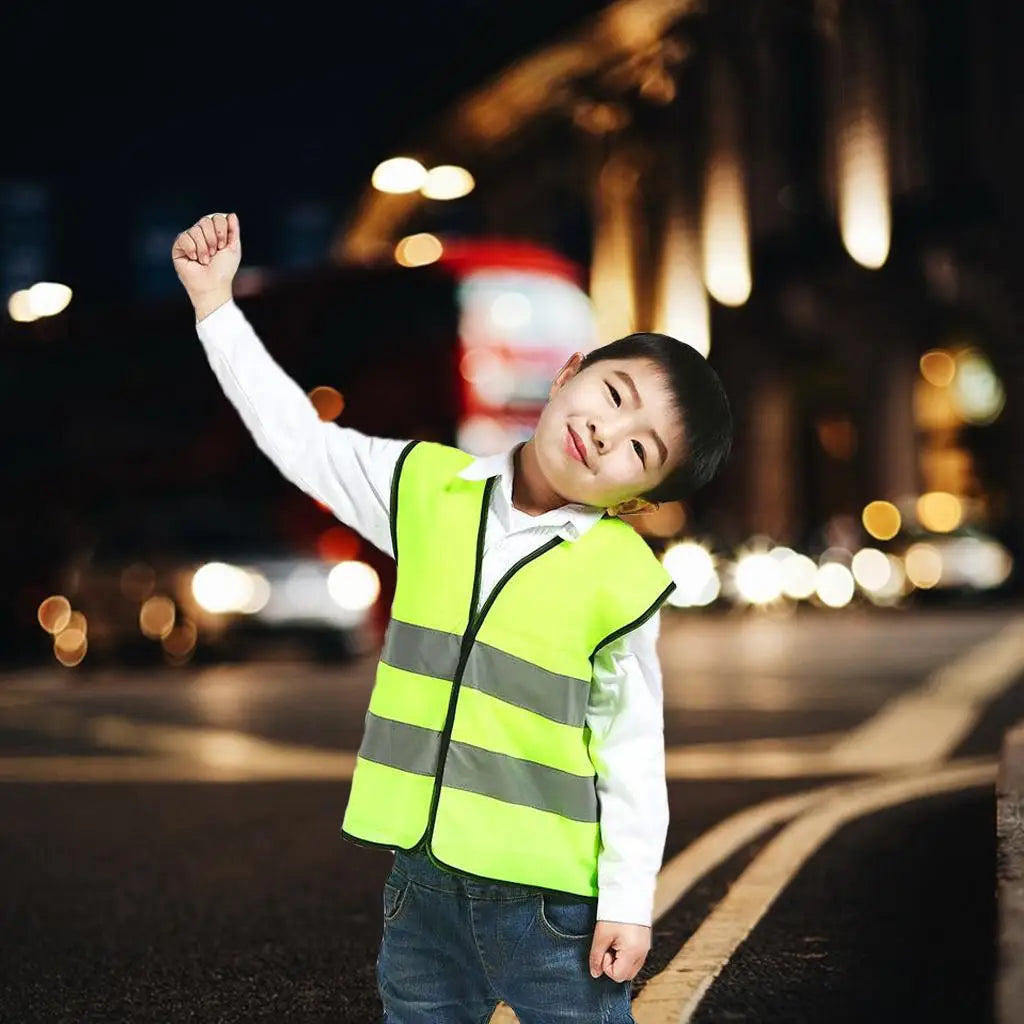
(475, 741)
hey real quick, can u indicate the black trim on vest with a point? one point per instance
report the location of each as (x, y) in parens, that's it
(394, 496)
(636, 622)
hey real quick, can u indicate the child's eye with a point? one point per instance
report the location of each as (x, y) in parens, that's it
(639, 449)
(615, 394)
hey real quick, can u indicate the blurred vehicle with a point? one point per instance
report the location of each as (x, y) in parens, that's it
(206, 580)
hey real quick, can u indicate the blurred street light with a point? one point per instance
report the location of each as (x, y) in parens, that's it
(20, 309)
(881, 519)
(328, 402)
(939, 511)
(399, 175)
(54, 613)
(48, 298)
(692, 568)
(447, 181)
(977, 391)
(418, 250)
(354, 586)
(938, 367)
(44, 298)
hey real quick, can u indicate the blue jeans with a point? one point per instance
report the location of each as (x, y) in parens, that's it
(453, 947)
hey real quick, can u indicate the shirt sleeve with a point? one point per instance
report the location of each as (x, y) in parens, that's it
(348, 471)
(627, 747)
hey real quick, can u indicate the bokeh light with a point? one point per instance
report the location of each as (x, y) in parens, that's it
(337, 544)
(799, 575)
(446, 181)
(54, 613)
(871, 569)
(977, 391)
(399, 175)
(834, 585)
(70, 647)
(923, 564)
(180, 643)
(938, 367)
(19, 308)
(328, 402)
(48, 298)
(418, 250)
(939, 511)
(219, 587)
(354, 586)
(758, 578)
(692, 568)
(156, 617)
(881, 519)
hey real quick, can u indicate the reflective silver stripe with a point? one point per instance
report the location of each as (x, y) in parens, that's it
(414, 749)
(512, 679)
(516, 681)
(421, 649)
(520, 782)
(399, 745)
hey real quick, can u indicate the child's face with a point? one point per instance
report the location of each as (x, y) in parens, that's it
(622, 414)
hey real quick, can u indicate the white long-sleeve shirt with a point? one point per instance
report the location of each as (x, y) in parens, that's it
(351, 473)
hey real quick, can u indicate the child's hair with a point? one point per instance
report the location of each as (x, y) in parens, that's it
(699, 398)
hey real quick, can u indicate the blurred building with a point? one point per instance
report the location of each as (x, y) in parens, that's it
(814, 194)
(822, 196)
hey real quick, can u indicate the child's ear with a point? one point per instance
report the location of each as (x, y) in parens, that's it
(634, 507)
(569, 370)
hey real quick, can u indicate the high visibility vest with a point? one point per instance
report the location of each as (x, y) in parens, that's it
(475, 742)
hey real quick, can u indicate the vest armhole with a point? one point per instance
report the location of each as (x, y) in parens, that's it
(639, 621)
(394, 496)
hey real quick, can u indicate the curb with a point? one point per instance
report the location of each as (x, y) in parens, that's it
(1010, 877)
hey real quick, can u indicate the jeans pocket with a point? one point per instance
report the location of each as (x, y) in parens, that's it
(396, 897)
(568, 917)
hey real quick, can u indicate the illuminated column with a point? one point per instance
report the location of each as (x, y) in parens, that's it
(896, 450)
(612, 287)
(725, 221)
(888, 424)
(772, 450)
(680, 301)
(861, 150)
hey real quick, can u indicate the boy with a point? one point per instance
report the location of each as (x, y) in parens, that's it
(513, 754)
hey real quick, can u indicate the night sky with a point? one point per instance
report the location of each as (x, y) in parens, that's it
(217, 106)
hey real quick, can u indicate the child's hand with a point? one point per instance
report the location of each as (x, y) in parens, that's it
(206, 258)
(619, 950)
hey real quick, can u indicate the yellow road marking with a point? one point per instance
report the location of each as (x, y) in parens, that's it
(672, 996)
(924, 725)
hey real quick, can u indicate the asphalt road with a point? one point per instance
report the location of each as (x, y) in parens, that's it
(170, 849)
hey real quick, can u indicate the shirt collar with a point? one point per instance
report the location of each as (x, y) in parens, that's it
(573, 519)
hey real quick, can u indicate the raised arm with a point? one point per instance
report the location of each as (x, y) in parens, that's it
(348, 471)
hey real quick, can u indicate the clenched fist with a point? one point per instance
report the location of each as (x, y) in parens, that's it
(206, 259)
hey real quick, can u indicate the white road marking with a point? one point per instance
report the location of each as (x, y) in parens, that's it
(718, 844)
(183, 753)
(924, 725)
(672, 996)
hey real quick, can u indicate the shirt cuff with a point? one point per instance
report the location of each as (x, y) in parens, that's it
(634, 905)
(222, 314)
